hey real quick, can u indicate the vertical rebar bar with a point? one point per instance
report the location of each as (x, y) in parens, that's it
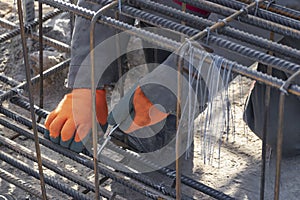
(284, 91)
(30, 89)
(178, 162)
(41, 59)
(93, 91)
(279, 145)
(265, 130)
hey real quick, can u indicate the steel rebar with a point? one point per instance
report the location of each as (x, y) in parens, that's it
(264, 14)
(283, 93)
(279, 9)
(148, 192)
(197, 22)
(223, 43)
(31, 101)
(24, 121)
(49, 180)
(93, 91)
(13, 91)
(169, 44)
(249, 19)
(52, 166)
(172, 174)
(20, 183)
(28, 28)
(41, 58)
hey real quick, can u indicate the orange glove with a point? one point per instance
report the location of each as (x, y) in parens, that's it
(141, 112)
(70, 123)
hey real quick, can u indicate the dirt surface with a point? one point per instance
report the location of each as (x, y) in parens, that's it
(236, 172)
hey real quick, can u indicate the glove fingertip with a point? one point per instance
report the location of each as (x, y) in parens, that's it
(55, 140)
(65, 144)
(47, 134)
(76, 147)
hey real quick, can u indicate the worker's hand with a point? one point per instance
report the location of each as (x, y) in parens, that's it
(135, 111)
(70, 123)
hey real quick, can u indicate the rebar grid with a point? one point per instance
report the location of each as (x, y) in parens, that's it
(264, 19)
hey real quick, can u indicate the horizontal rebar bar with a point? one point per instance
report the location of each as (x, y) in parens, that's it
(167, 191)
(46, 40)
(167, 43)
(256, 55)
(171, 173)
(148, 192)
(49, 180)
(264, 14)
(279, 9)
(34, 80)
(197, 22)
(28, 28)
(27, 153)
(249, 19)
(20, 184)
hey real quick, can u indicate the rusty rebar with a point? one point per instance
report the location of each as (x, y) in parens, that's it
(30, 89)
(93, 91)
(41, 58)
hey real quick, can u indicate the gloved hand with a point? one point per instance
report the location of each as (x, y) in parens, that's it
(70, 123)
(135, 111)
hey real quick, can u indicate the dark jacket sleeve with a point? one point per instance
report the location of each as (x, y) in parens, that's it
(79, 72)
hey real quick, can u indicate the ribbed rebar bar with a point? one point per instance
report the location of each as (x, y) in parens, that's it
(24, 104)
(283, 20)
(165, 190)
(223, 43)
(197, 22)
(35, 80)
(28, 28)
(31, 101)
(93, 91)
(279, 9)
(52, 166)
(171, 173)
(20, 183)
(48, 41)
(249, 19)
(49, 180)
(148, 192)
(169, 44)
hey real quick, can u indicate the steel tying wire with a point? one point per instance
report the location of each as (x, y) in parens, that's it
(264, 14)
(49, 180)
(15, 90)
(31, 101)
(93, 91)
(197, 21)
(249, 19)
(251, 53)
